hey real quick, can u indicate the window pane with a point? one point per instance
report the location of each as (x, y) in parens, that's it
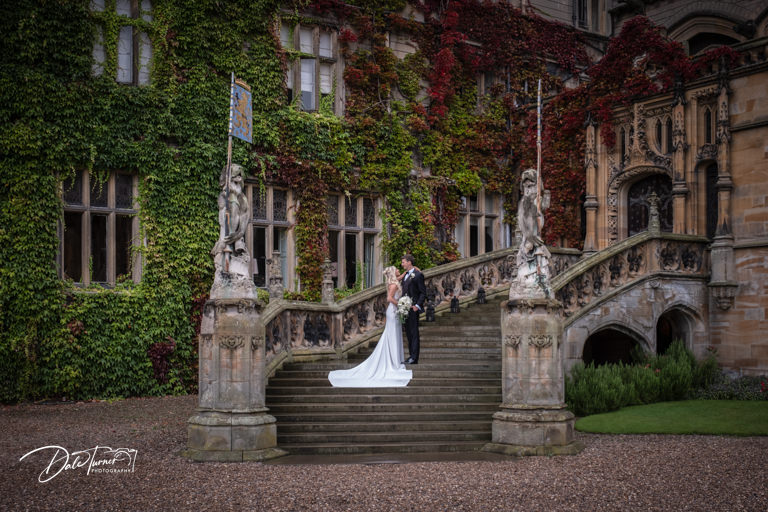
(99, 53)
(99, 192)
(73, 189)
(286, 38)
(124, 191)
(279, 205)
(333, 210)
(97, 5)
(488, 235)
(99, 248)
(325, 79)
(125, 55)
(325, 44)
(259, 262)
(259, 202)
(305, 40)
(124, 7)
(350, 259)
(146, 10)
(73, 237)
(333, 255)
(489, 203)
(123, 243)
(308, 84)
(473, 236)
(473, 206)
(369, 213)
(145, 58)
(350, 212)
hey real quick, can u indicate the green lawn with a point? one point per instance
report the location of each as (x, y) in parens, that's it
(717, 417)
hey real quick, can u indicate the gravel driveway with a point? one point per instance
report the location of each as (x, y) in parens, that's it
(704, 473)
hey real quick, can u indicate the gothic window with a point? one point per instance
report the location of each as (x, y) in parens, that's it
(352, 240)
(623, 142)
(133, 47)
(659, 136)
(480, 224)
(669, 146)
(269, 231)
(708, 126)
(99, 229)
(312, 64)
(712, 200)
(637, 201)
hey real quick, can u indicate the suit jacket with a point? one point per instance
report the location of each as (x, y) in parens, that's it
(414, 288)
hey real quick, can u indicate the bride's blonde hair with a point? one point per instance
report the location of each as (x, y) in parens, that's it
(390, 276)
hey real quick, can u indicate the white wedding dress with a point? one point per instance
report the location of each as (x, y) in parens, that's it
(384, 367)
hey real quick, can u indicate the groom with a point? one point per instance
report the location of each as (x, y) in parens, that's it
(413, 286)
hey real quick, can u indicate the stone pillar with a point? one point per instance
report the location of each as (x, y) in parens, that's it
(723, 285)
(327, 294)
(590, 202)
(679, 147)
(231, 423)
(533, 419)
(275, 285)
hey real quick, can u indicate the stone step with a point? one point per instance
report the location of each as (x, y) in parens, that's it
(413, 398)
(352, 408)
(367, 448)
(423, 373)
(454, 352)
(381, 417)
(448, 364)
(394, 426)
(371, 438)
(417, 381)
(329, 391)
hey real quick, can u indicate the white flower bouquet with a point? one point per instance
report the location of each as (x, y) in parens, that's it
(404, 307)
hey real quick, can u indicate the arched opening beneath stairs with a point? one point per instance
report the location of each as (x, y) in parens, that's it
(672, 325)
(609, 346)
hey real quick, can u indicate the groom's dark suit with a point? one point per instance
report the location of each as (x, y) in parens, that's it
(413, 286)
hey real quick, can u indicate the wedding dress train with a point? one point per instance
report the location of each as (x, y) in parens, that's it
(384, 367)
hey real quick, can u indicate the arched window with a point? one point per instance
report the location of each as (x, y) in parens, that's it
(708, 126)
(637, 201)
(670, 145)
(623, 138)
(711, 200)
(659, 137)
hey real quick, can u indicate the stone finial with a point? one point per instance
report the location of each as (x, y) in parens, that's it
(327, 289)
(275, 276)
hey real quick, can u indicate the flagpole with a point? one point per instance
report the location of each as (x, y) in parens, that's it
(227, 229)
(538, 160)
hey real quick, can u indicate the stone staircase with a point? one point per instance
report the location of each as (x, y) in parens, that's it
(447, 406)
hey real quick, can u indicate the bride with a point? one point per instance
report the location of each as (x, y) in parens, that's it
(384, 367)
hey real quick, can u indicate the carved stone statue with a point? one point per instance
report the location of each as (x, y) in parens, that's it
(231, 258)
(532, 256)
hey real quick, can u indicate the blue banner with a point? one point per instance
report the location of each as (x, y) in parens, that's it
(240, 112)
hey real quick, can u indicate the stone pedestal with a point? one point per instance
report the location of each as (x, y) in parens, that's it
(231, 422)
(532, 419)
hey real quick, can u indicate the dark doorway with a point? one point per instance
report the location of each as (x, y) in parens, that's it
(608, 346)
(671, 326)
(637, 199)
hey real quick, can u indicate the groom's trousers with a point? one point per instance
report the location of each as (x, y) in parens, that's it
(412, 333)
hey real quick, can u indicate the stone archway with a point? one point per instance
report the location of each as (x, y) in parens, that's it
(672, 325)
(609, 345)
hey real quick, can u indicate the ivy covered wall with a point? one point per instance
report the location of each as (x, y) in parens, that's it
(57, 118)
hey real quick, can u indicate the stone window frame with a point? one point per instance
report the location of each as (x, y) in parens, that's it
(481, 213)
(362, 233)
(278, 233)
(90, 186)
(324, 52)
(134, 46)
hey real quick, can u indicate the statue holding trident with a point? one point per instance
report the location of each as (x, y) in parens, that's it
(533, 255)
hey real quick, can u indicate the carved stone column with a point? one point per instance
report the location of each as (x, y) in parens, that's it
(533, 419)
(590, 202)
(327, 288)
(679, 185)
(723, 283)
(231, 423)
(275, 285)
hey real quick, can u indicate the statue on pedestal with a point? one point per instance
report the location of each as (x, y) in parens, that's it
(231, 258)
(533, 255)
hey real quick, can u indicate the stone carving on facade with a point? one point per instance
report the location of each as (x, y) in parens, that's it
(232, 262)
(707, 152)
(512, 340)
(540, 340)
(207, 339)
(231, 342)
(275, 285)
(256, 342)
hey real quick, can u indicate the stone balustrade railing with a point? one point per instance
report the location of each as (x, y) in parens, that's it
(643, 256)
(306, 330)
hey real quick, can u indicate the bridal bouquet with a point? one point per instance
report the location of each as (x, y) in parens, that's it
(404, 307)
